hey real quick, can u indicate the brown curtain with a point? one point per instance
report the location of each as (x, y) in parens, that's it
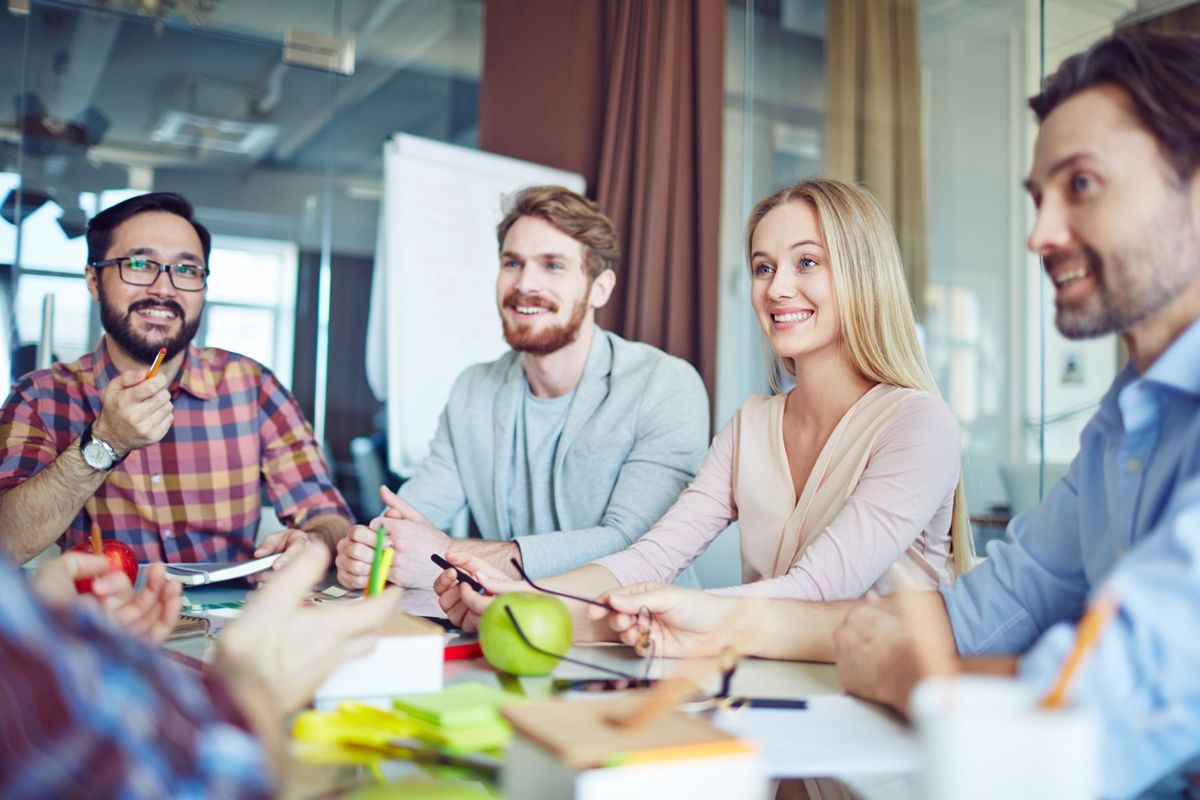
(629, 93)
(873, 118)
(1181, 20)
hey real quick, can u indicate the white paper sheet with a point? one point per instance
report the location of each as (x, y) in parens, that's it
(836, 736)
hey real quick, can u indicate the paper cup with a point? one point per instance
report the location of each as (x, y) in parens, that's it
(984, 737)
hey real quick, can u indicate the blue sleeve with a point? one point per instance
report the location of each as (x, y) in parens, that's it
(1030, 581)
(1141, 680)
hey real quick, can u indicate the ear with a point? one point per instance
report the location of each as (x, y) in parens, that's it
(602, 289)
(92, 276)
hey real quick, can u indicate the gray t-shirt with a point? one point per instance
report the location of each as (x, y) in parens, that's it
(539, 426)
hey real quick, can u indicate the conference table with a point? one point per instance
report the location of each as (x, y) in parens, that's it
(870, 752)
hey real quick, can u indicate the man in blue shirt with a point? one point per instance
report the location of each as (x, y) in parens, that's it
(1116, 182)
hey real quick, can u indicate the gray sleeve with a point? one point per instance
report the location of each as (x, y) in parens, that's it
(436, 488)
(672, 437)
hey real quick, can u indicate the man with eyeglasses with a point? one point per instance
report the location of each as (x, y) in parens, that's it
(172, 464)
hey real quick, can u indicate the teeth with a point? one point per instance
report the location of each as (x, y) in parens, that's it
(531, 310)
(161, 313)
(1067, 277)
(795, 316)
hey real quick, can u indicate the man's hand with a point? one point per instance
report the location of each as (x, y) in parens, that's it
(414, 541)
(279, 647)
(876, 658)
(152, 612)
(462, 604)
(398, 507)
(154, 609)
(136, 411)
(288, 542)
(684, 623)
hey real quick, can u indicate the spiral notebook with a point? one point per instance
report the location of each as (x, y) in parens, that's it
(201, 573)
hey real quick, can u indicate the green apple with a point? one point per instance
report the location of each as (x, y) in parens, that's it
(545, 622)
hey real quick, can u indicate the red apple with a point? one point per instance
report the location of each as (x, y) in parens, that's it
(120, 558)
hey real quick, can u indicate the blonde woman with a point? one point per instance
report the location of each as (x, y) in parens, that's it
(847, 482)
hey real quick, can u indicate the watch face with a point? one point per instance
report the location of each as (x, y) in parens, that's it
(97, 456)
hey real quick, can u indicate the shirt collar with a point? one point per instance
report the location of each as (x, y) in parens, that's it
(196, 376)
(1179, 366)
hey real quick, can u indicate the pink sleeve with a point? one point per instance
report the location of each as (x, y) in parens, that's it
(910, 476)
(705, 508)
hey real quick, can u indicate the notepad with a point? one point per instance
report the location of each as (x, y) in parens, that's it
(201, 573)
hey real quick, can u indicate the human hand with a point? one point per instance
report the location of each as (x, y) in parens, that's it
(875, 656)
(288, 542)
(154, 609)
(150, 612)
(280, 647)
(398, 507)
(684, 623)
(54, 580)
(462, 604)
(137, 411)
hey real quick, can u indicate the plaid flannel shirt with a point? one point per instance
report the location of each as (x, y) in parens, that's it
(195, 495)
(88, 711)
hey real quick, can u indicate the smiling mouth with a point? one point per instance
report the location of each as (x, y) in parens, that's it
(157, 314)
(1063, 278)
(530, 311)
(792, 316)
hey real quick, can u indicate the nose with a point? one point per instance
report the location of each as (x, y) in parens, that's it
(527, 280)
(162, 286)
(1050, 232)
(782, 286)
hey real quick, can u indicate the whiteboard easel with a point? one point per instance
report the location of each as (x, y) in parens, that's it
(433, 295)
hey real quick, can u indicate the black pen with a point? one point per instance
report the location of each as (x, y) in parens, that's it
(462, 576)
(778, 703)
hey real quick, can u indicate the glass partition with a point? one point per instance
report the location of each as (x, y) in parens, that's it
(281, 159)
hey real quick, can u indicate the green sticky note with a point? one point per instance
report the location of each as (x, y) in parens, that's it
(463, 704)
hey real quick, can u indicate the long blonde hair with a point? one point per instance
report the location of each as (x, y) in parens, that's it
(878, 327)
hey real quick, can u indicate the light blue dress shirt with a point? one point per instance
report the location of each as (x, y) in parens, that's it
(1125, 520)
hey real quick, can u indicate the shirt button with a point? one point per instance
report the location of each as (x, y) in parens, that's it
(1133, 465)
(156, 478)
(168, 533)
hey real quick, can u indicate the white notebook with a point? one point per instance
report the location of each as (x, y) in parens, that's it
(200, 573)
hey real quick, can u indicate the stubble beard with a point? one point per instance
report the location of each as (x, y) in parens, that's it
(1138, 280)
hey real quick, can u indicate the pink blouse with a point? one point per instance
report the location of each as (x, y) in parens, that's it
(898, 456)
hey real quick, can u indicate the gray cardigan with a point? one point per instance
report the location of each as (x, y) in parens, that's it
(635, 434)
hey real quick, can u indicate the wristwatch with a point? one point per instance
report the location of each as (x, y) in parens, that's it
(97, 453)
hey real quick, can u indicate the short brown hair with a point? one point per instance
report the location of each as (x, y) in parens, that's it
(1161, 75)
(574, 215)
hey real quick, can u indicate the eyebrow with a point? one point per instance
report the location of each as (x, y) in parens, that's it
(805, 242)
(542, 256)
(1032, 185)
(150, 251)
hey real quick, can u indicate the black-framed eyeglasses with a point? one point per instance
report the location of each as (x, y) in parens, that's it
(634, 680)
(140, 271)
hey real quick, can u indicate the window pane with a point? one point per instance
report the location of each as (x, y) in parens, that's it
(249, 331)
(72, 309)
(246, 276)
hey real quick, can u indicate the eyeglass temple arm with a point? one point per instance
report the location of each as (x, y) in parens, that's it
(527, 579)
(561, 657)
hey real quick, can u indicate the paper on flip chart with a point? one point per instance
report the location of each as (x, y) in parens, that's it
(835, 736)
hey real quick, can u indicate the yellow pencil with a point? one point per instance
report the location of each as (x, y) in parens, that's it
(162, 353)
(1090, 628)
(385, 564)
(97, 547)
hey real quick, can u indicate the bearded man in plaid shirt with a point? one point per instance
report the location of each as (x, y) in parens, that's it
(172, 464)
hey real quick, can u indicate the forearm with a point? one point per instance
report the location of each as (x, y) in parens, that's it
(36, 512)
(790, 630)
(256, 705)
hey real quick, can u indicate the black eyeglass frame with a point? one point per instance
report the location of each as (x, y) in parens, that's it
(638, 683)
(167, 268)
